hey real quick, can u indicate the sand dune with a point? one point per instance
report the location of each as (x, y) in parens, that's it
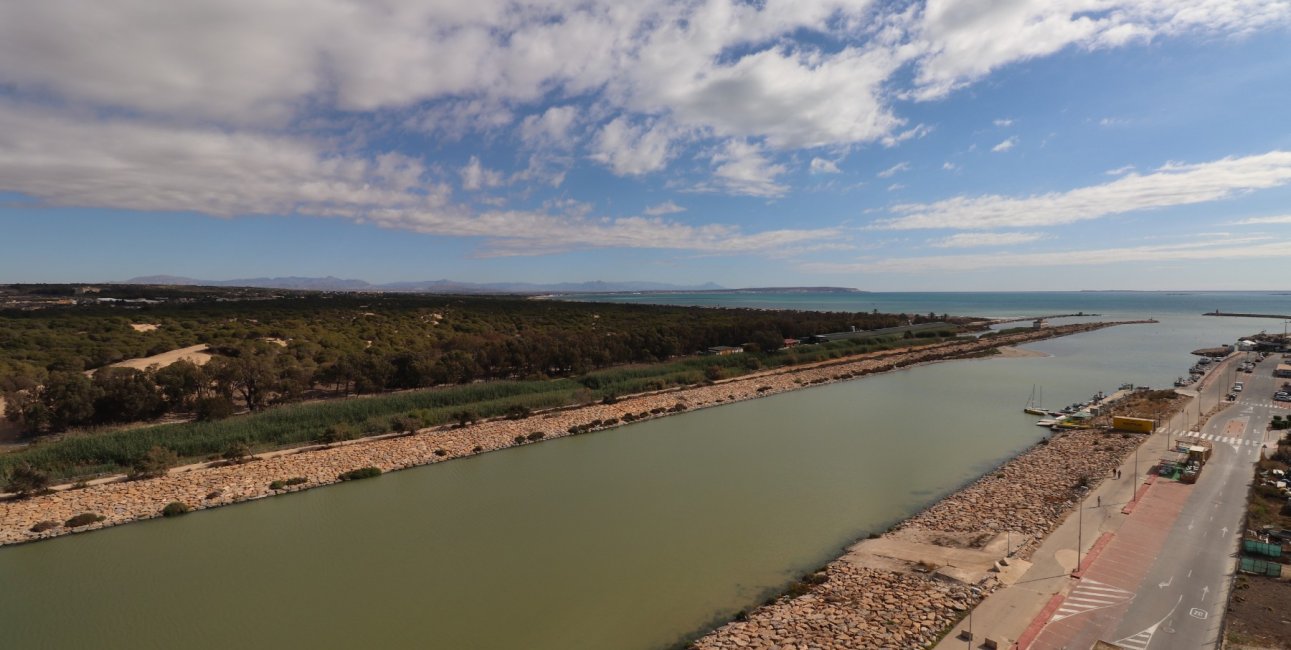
(195, 353)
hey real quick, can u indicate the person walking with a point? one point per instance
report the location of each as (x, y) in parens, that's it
(1100, 500)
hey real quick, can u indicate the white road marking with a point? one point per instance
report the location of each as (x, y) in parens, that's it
(1088, 596)
(1141, 640)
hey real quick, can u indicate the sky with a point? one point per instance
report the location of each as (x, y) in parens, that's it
(889, 146)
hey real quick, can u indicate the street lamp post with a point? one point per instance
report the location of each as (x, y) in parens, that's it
(1080, 531)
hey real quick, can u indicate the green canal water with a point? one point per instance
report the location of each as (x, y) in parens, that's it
(634, 538)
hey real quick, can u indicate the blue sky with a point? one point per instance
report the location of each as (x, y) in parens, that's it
(946, 145)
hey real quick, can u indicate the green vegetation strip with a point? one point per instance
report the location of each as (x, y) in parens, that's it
(113, 451)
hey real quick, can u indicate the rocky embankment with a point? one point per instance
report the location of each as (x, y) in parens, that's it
(210, 486)
(860, 607)
(855, 607)
(1030, 493)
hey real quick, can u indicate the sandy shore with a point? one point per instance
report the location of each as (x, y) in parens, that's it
(210, 486)
(1012, 352)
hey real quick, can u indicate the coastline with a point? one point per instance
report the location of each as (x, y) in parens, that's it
(205, 486)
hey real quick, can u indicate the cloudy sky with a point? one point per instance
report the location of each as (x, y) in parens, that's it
(947, 144)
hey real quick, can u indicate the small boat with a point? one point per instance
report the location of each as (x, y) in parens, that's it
(1046, 423)
(1033, 404)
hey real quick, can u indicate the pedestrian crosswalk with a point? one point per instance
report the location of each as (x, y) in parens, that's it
(1237, 442)
(1266, 404)
(1139, 641)
(1090, 595)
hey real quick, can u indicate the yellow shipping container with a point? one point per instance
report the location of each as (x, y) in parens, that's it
(1137, 425)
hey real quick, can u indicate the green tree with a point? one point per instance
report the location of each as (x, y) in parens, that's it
(69, 397)
(767, 340)
(126, 395)
(181, 383)
(250, 375)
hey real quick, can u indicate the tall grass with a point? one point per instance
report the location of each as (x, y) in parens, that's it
(95, 452)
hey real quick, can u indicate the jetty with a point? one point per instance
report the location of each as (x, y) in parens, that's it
(1238, 315)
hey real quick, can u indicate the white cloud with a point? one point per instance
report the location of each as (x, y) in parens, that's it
(475, 176)
(1004, 122)
(979, 239)
(894, 170)
(1007, 144)
(1284, 219)
(550, 128)
(80, 160)
(916, 132)
(1224, 249)
(667, 207)
(822, 166)
(949, 166)
(1171, 185)
(742, 168)
(1120, 170)
(964, 40)
(307, 83)
(895, 186)
(631, 149)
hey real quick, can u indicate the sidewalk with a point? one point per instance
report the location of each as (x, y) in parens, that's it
(1012, 614)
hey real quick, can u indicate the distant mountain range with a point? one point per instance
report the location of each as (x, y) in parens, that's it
(428, 286)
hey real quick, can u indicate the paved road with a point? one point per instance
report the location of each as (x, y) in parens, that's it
(1163, 582)
(1181, 601)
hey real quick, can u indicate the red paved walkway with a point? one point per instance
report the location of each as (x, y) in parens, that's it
(1098, 602)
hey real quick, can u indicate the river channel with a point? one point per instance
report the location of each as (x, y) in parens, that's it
(633, 538)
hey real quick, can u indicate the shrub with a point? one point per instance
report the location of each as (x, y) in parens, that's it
(210, 409)
(441, 453)
(44, 526)
(465, 418)
(477, 449)
(364, 472)
(277, 485)
(236, 452)
(337, 433)
(402, 423)
(154, 463)
(610, 399)
(214, 494)
(518, 412)
(519, 440)
(281, 484)
(537, 435)
(83, 519)
(175, 509)
(26, 480)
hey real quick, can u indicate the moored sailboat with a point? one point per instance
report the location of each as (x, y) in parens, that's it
(1033, 405)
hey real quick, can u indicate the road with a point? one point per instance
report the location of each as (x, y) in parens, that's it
(1163, 581)
(1180, 603)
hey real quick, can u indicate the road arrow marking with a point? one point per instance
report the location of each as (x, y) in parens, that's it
(1205, 590)
(1165, 584)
